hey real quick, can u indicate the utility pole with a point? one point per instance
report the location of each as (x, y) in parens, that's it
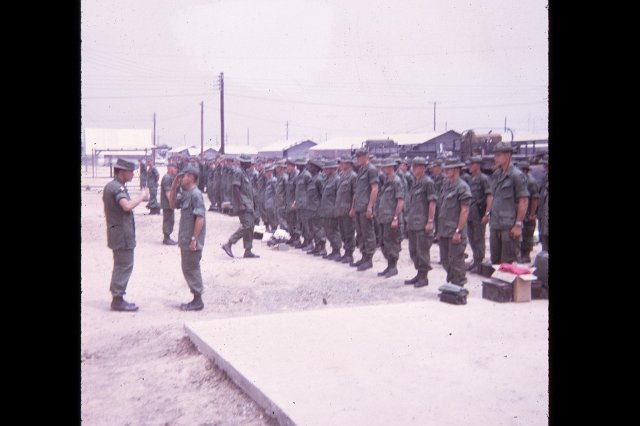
(505, 123)
(201, 129)
(287, 127)
(221, 81)
(434, 116)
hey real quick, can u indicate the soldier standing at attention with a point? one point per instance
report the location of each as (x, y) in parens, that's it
(529, 222)
(366, 193)
(270, 220)
(390, 217)
(452, 222)
(292, 215)
(510, 201)
(438, 181)
(344, 209)
(300, 204)
(328, 209)
(481, 202)
(420, 220)
(153, 177)
(259, 186)
(281, 194)
(168, 213)
(543, 207)
(143, 174)
(211, 173)
(191, 232)
(244, 205)
(121, 231)
(314, 197)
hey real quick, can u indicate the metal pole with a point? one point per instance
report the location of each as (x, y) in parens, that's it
(222, 113)
(434, 116)
(202, 129)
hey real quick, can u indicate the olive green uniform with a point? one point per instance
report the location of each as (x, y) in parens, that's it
(270, 202)
(311, 211)
(293, 221)
(391, 239)
(508, 188)
(191, 204)
(543, 214)
(168, 214)
(438, 181)
(480, 188)
(366, 237)
(152, 181)
(302, 183)
(143, 175)
(529, 226)
(421, 193)
(211, 192)
(344, 198)
(327, 211)
(242, 180)
(259, 187)
(454, 195)
(281, 200)
(121, 235)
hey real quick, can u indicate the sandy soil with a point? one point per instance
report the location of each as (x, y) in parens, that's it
(140, 368)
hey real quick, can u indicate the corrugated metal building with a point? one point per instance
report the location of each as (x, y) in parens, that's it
(337, 147)
(285, 149)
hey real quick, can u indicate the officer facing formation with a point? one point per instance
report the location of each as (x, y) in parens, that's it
(479, 211)
(510, 200)
(192, 231)
(420, 221)
(121, 231)
(344, 211)
(452, 222)
(366, 193)
(168, 214)
(243, 204)
(327, 209)
(529, 222)
(389, 215)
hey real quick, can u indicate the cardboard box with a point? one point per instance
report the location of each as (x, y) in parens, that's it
(521, 283)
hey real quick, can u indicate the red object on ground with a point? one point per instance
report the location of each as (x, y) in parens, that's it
(518, 270)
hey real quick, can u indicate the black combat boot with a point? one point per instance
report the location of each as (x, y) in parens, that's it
(381, 273)
(195, 305)
(347, 258)
(168, 241)
(250, 255)
(359, 262)
(227, 249)
(119, 304)
(322, 251)
(366, 264)
(334, 255)
(422, 279)
(414, 279)
(393, 270)
(308, 247)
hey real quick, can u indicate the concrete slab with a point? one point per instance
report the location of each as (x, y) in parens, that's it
(425, 363)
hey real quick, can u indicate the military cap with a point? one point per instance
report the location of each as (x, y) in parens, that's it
(192, 170)
(503, 147)
(361, 151)
(346, 159)
(475, 159)
(330, 164)
(269, 168)
(300, 162)
(405, 161)
(522, 165)
(317, 162)
(420, 161)
(124, 165)
(452, 163)
(388, 162)
(281, 163)
(244, 158)
(437, 163)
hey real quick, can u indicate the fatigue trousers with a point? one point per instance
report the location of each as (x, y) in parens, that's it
(504, 249)
(332, 232)
(217, 193)
(259, 213)
(528, 228)
(190, 262)
(168, 220)
(294, 223)
(316, 225)
(452, 258)
(122, 269)
(391, 240)
(282, 218)
(477, 235)
(420, 249)
(271, 217)
(347, 226)
(211, 195)
(305, 225)
(245, 231)
(366, 234)
(153, 197)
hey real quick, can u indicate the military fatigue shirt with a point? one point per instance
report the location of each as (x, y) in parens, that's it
(344, 193)
(270, 193)
(152, 177)
(454, 195)
(191, 204)
(302, 183)
(508, 188)
(391, 192)
(242, 179)
(260, 187)
(367, 175)
(314, 192)
(329, 194)
(281, 190)
(534, 191)
(421, 193)
(480, 188)
(291, 188)
(121, 228)
(165, 186)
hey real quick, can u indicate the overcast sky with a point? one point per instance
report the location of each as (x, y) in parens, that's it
(329, 67)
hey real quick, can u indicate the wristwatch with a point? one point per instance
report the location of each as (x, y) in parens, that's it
(193, 238)
(519, 223)
(395, 218)
(457, 230)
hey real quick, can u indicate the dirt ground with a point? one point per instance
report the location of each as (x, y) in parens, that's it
(140, 368)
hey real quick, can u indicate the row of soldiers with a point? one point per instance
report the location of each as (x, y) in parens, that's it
(364, 206)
